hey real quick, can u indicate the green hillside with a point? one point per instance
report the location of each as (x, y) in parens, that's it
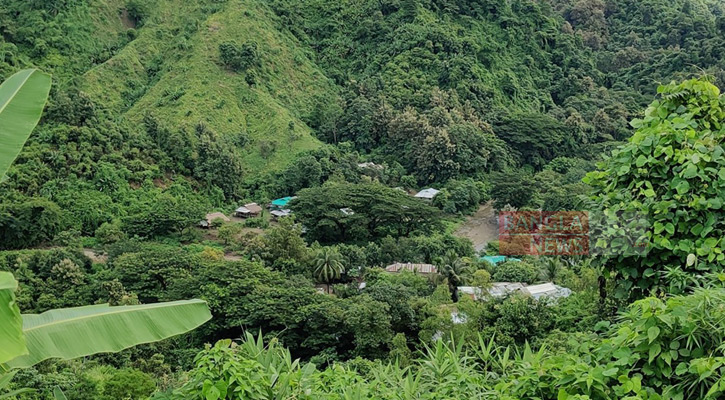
(173, 72)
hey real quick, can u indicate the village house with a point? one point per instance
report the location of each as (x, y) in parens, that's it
(427, 194)
(369, 165)
(548, 290)
(425, 269)
(281, 203)
(209, 218)
(277, 214)
(248, 211)
(501, 289)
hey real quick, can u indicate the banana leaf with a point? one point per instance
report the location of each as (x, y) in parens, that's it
(12, 342)
(58, 394)
(77, 332)
(22, 98)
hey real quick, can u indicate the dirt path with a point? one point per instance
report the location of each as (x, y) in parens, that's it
(90, 253)
(480, 227)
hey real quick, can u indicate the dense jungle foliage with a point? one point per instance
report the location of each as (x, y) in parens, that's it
(163, 111)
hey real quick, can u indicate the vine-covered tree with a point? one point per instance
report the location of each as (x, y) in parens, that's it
(670, 173)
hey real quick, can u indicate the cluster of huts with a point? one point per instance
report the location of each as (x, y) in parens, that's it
(547, 290)
(277, 209)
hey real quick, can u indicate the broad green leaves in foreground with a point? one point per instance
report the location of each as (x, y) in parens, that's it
(657, 351)
(670, 173)
(22, 98)
(12, 342)
(77, 332)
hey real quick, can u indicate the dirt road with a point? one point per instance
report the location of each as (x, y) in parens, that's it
(480, 227)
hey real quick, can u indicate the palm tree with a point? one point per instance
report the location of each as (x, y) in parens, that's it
(551, 268)
(328, 265)
(453, 269)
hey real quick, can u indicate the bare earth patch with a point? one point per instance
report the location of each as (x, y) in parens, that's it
(481, 227)
(96, 258)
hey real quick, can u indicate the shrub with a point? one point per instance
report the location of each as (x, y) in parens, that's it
(217, 222)
(239, 58)
(515, 271)
(128, 384)
(138, 11)
(110, 232)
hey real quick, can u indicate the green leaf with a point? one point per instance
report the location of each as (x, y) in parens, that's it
(690, 171)
(715, 203)
(670, 228)
(6, 378)
(58, 394)
(11, 324)
(682, 187)
(652, 333)
(77, 332)
(691, 259)
(654, 351)
(641, 161)
(22, 98)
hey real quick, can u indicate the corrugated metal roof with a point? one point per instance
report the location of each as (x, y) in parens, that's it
(548, 289)
(281, 213)
(427, 193)
(500, 289)
(421, 268)
(251, 208)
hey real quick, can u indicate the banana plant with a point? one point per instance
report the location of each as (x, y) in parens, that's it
(22, 98)
(26, 340)
(81, 331)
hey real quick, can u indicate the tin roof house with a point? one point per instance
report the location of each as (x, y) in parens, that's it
(248, 210)
(427, 194)
(425, 269)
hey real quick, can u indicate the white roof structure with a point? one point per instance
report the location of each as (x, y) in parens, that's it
(548, 290)
(427, 194)
(251, 208)
(347, 211)
(280, 213)
(370, 165)
(420, 268)
(501, 289)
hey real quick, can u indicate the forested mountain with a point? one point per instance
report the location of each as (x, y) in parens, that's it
(448, 89)
(165, 113)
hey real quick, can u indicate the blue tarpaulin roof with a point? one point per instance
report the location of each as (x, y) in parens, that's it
(498, 259)
(281, 202)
